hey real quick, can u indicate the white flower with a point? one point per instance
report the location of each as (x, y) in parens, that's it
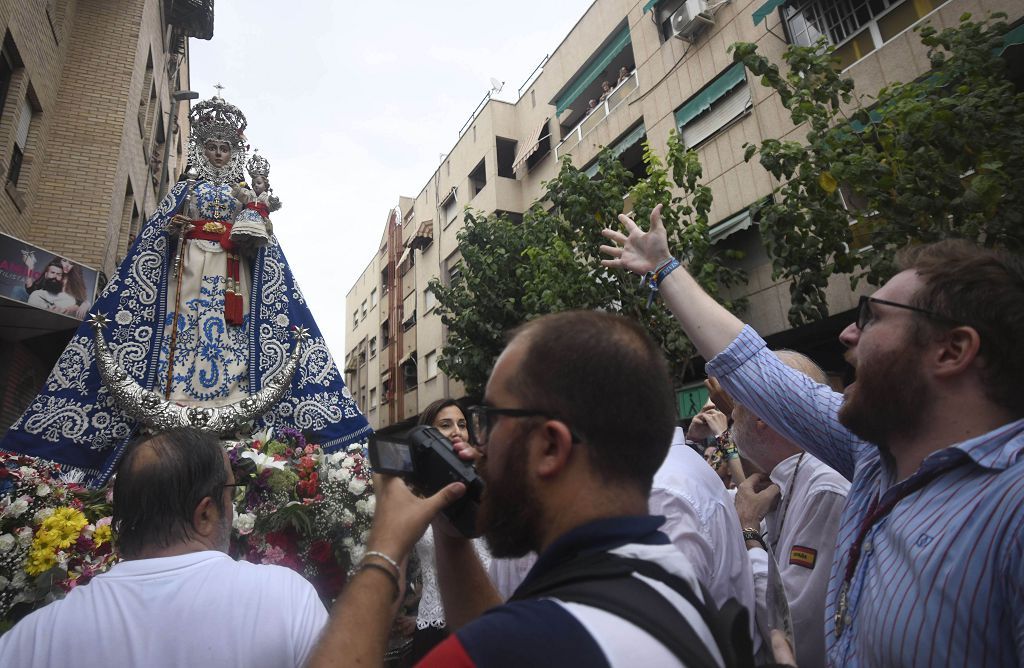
(361, 506)
(28, 473)
(371, 505)
(19, 506)
(41, 515)
(356, 486)
(244, 523)
(6, 543)
(262, 460)
(347, 517)
(334, 475)
(25, 536)
(42, 489)
(3, 583)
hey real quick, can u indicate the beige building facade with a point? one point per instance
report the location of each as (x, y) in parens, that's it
(668, 68)
(90, 137)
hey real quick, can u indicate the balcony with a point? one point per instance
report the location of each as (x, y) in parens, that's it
(597, 115)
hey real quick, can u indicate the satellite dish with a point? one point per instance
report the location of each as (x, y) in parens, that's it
(496, 85)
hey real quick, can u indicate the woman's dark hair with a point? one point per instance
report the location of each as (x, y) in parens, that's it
(160, 482)
(429, 413)
(74, 284)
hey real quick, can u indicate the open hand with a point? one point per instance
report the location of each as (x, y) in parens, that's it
(640, 252)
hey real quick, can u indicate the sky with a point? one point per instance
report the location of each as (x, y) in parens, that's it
(353, 104)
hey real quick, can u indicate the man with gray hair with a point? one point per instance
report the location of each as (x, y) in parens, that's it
(177, 599)
(794, 507)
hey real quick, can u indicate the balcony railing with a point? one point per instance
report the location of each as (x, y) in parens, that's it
(597, 115)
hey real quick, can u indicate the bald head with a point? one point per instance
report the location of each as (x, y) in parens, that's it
(803, 364)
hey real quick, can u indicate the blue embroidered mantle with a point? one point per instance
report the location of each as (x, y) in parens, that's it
(74, 420)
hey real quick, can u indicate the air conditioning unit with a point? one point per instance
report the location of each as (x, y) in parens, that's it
(690, 19)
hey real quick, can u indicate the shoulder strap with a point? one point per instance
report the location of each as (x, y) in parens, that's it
(606, 581)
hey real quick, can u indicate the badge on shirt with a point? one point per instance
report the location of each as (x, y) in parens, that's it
(803, 556)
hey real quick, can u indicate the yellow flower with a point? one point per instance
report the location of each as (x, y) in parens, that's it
(102, 534)
(40, 561)
(46, 538)
(64, 526)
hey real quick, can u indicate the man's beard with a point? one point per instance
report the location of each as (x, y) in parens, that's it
(509, 515)
(888, 398)
(52, 285)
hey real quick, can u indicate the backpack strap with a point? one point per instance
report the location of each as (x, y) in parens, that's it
(606, 581)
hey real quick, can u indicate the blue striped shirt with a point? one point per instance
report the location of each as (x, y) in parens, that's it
(940, 581)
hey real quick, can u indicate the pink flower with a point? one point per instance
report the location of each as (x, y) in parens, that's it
(272, 555)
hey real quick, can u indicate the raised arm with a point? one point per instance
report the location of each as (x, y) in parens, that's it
(708, 324)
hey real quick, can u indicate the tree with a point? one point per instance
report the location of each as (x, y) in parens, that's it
(939, 157)
(512, 272)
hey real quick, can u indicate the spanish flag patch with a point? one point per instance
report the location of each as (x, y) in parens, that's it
(803, 556)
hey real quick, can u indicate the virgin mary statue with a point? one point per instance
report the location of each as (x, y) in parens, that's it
(195, 319)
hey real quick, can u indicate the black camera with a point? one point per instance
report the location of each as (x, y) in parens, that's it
(426, 460)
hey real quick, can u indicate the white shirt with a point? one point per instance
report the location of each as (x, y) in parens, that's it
(808, 515)
(702, 523)
(50, 301)
(198, 609)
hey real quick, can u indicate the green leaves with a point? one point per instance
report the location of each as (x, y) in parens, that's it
(551, 261)
(939, 157)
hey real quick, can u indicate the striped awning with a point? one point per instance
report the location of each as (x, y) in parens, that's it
(530, 145)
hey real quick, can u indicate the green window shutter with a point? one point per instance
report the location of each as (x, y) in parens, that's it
(703, 100)
(589, 75)
(767, 8)
(650, 5)
(631, 138)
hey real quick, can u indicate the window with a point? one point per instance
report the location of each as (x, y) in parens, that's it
(715, 107)
(355, 318)
(409, 374)
(8, 63)
(855, 27)
(373, 297)
(450, 207)
(26, 116)
(454, 273)
(506, 150)
(385, 335)
(478, 178)
(384, 275)
(385, 391)
(373, 347)
(429, 300)
(373, 398)
(431, 362)
(362, 309)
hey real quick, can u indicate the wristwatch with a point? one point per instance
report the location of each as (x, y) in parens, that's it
(754, 535)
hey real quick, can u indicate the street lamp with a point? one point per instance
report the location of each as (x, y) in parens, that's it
(176, 97)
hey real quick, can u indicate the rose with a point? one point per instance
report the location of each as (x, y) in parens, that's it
(25, 536)
(19, 506)
(6, 542)
(42, 489)
(321, 551)
(244, 523)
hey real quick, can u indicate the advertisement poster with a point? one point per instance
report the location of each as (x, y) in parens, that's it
(37, 277)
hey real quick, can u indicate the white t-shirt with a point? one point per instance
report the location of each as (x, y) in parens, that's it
(701, 521)
(198, 609)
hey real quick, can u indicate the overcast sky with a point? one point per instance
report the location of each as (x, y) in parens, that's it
(354, 102)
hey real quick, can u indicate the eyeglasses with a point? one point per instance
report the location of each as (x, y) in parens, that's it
(865, 316)
(482, 418)
(235, 484)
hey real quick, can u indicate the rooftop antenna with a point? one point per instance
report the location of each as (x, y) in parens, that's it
(496, 86)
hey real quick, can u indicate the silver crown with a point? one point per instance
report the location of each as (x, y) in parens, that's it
(258, 166)
(217, 119)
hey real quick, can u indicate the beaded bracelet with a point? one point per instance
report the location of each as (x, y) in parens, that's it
(653, 279)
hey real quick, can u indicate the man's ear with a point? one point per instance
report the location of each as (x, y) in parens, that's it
(957, 351)
(205, 516)
(553, 449)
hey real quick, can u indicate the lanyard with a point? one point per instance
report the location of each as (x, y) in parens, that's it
(876, 512)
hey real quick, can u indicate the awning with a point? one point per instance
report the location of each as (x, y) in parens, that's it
(583, 80)
(703, 100)
(424, 235)
(631, 138)
(530, 145)
(385, 375)
(411, 357)
(767, 8)
(730, 226)
(405, 256)
(1013, 38)
(650, 5)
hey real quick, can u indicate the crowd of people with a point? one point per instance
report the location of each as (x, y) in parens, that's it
(878, 526)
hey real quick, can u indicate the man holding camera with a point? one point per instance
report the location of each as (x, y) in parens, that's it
(565, 476)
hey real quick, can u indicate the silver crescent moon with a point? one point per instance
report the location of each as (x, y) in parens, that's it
(152, 410)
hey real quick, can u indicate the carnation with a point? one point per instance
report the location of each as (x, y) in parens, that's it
(19, 506)
(244, 523)
(7, 541)
(42, 489)
(41, 515)
(356, 486)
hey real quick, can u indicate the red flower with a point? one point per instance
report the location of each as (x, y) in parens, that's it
(321, 552)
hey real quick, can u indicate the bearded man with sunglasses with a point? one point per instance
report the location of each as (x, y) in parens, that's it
(929, 564)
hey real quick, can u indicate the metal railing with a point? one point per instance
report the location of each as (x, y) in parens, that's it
(597, 115)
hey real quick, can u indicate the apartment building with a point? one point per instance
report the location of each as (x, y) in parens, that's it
(629, 70)
(91, 134)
